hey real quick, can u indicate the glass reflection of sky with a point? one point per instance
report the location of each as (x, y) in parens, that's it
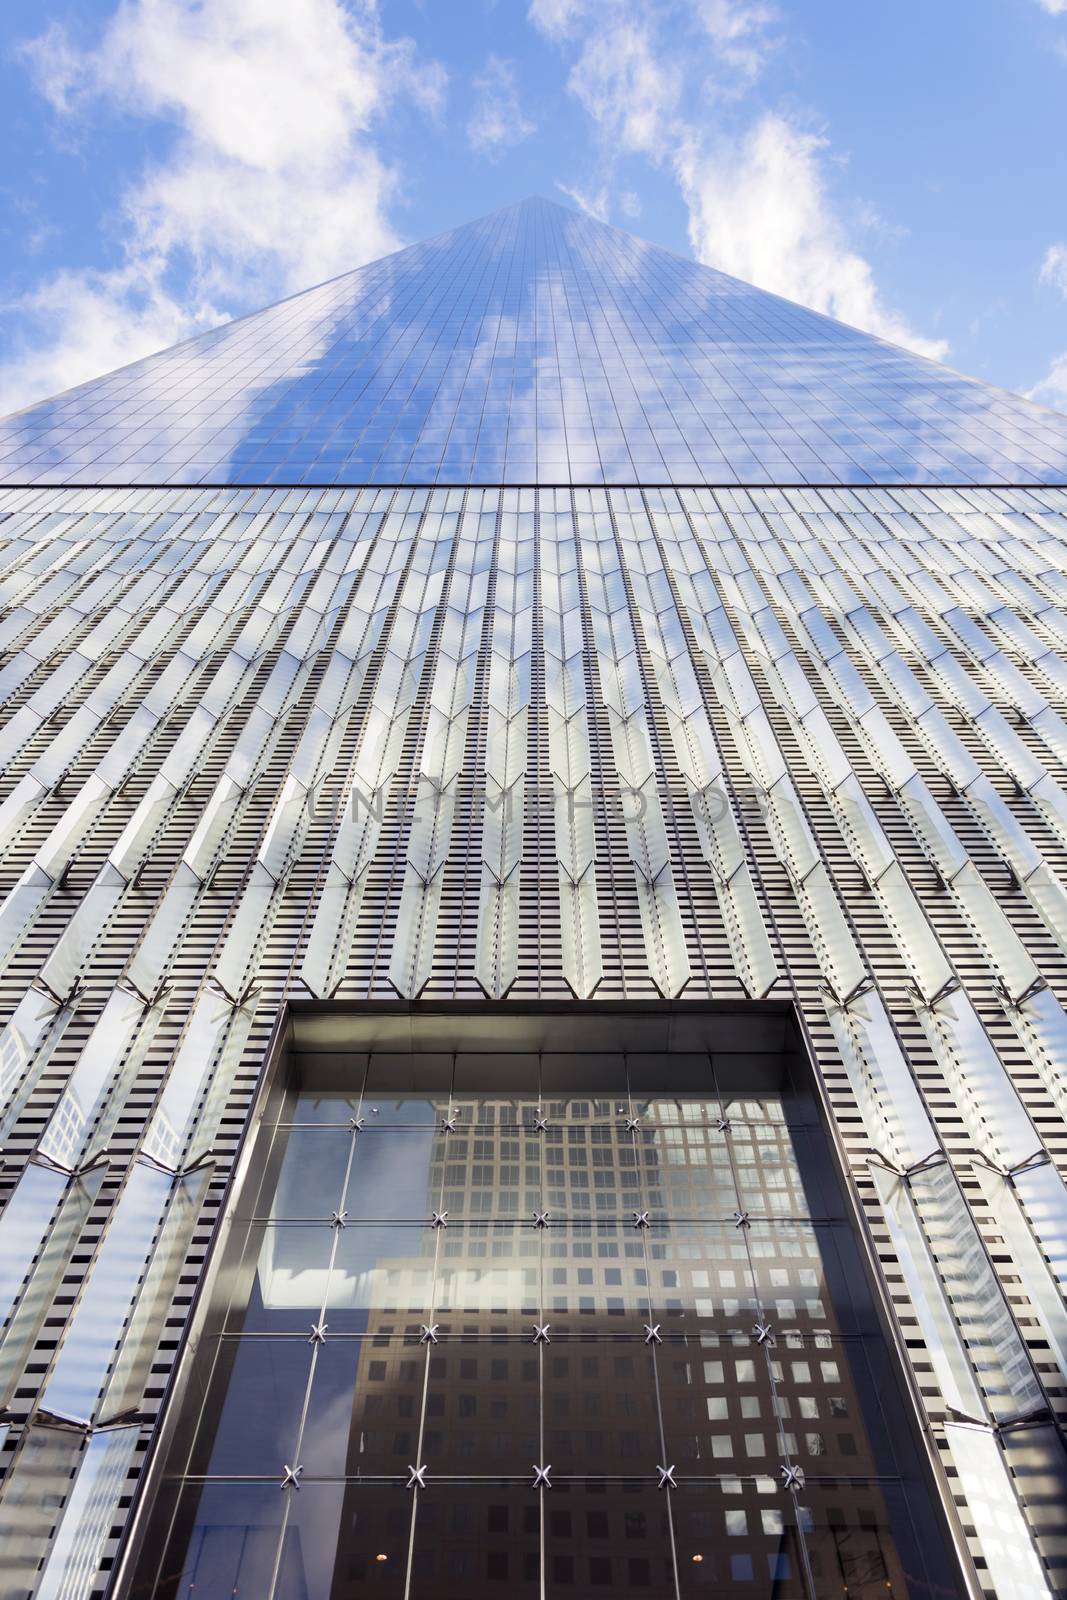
(534, 346)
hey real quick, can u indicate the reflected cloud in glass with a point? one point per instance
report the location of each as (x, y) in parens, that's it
(534, 346)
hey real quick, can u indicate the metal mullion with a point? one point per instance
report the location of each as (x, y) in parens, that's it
(426, 1366)
(541, 1350)
(422, 1415)
(361, 1097)
(336, 1234)
(808, 1575)
(311, 1375)
(634, 1137)
(659, 1409)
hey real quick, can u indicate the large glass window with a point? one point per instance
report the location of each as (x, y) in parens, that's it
(528, 1324)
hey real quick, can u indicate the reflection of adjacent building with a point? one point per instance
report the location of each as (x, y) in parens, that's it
(596, 1400)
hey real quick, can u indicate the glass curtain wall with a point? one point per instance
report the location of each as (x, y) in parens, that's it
(541, 1339)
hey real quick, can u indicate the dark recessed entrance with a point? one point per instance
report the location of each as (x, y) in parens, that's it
(542, 1302)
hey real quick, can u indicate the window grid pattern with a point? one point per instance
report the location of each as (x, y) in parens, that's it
(589, 1301)
(535, 346)
(797, 742)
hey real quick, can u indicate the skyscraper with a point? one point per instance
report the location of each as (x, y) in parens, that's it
(534, 942)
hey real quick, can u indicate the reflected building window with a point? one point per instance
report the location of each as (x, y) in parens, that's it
(436, 1370)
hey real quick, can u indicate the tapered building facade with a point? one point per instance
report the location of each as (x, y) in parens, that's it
(533, 951)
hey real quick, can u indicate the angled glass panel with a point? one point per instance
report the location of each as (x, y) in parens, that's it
(381, 1279)
(686, 1169)
(223, 1535)
(395, 1174)
(279, 1280)
(867, 1538)
(479, 1540)
(371, 1544)
(305, 1174)
(252, 1409)
(131, 1376)
(701, 1278)
(364, 1407)
(89, 1513)
(407, 1090)
(36, 1486)
(489, 1427)
(596, 1279)
(24, 1227)
(739, 1536)
(488, 1277)
(608, 1538)
(601, 1407)
(86, 1353)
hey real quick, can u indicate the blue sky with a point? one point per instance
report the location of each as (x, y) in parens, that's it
(168, 163)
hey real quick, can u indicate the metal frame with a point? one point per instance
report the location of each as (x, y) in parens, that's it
(775, 1027)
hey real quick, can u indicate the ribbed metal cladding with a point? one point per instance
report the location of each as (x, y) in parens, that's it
(270, 744)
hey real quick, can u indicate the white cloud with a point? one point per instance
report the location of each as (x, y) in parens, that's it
(80, 324)
(594, 204)
(634, 55)
(497, 119)
(556, 17)
(1055, 8)
(1054, 266)
(759, 209)
(654, 75)
(272, 182)
(627, 88)
(738, 28)
(869, 217)
(597, 202)
(1052, 389)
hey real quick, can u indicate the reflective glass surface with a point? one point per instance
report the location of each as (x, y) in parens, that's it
(575, 1399)
(534, 346)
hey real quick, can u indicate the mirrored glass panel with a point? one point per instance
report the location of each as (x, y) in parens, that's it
(442, 364)
(559, 1336)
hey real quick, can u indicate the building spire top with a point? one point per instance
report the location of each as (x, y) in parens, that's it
(534, 345)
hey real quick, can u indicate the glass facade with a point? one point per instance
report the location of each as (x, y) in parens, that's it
(533, 622)
(545, 1338)
(536, 346)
